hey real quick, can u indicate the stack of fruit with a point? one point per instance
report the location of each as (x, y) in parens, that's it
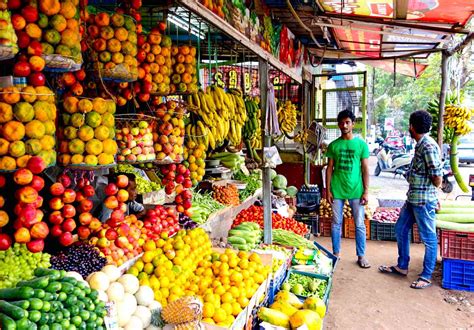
(118, 238)
(28, 126)
(135, 305)
(29, 227)
(59, 20)
(19, 264)
(135, 141)
(184, 78)
(72, 81)
(113, 43)
(184, 265)
(87, 133)
(154, 56)
(159, 221)
(25, 22)
(226, 194)
(194, 156)
(54, 300)
(169, 126)
(7, 33)
(5, 240)
(65, 217)
(216, 6)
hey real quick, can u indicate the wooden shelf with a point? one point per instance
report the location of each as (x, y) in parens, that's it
(201, 11)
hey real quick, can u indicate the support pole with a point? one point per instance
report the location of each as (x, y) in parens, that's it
(267, 141)
(307, 118)
(442, 97)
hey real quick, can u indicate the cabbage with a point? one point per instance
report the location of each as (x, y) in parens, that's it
(279, 182)
(292, 191)
(273, 174)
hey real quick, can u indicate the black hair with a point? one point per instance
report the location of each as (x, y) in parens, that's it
(345, 114)
(421, 121)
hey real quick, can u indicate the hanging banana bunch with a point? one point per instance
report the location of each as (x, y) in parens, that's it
(252, 132)
(287, 115)
(458, 118)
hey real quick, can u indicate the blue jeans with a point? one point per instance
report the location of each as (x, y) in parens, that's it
(337, 218)
(424, 216)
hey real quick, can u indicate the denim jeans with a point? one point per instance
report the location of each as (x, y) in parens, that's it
(337, 218)
(424, 216)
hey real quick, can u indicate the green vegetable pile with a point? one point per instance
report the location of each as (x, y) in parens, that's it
(203, 205)
(288, 238)
(305, 286)
(17, 263)
(253, 181)
(51, 301)
(143, 185)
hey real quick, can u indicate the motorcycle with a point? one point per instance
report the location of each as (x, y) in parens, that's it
(447, 184)
(392, 160)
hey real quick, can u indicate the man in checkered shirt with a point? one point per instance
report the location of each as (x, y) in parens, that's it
(424, 178)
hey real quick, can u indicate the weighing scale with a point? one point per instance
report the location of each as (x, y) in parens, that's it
(221, 172)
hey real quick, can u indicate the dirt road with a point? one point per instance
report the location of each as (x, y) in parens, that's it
(367, 299)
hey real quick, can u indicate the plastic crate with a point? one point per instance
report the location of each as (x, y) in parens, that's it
(311, 220)
(325, 226)
(457, 245)
(416, 234)
(391, 202)
(329, 255)
(458, 275)
(350, 230)
(275, 284)
(382, 231)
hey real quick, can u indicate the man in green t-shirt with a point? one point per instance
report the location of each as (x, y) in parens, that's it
(347, 178)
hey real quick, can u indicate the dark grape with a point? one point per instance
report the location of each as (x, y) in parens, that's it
(80, 257)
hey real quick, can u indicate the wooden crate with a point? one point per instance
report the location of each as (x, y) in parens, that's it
(350, 231)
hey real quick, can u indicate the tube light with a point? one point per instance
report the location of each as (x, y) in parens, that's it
(178, 22)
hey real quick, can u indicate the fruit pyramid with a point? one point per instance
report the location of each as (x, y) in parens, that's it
(59, 20)
(7, 32)
(113, 42)
(184, 77)
(87, 132)
(27, 121)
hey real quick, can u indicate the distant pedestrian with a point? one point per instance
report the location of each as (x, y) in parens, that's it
(424, 177)
(407, 142)
(347, 178)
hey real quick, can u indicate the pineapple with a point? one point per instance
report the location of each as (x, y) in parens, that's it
(184, 310)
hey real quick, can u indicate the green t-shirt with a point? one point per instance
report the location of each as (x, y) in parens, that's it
(346, 182)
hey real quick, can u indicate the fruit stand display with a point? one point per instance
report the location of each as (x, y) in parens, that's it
(84, 240)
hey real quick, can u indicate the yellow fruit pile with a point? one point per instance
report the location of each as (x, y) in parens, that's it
(27, 126)
(87, 132)
(60, 26)
(194, 156)
(185, 265)
(157, 65)
(184, 77)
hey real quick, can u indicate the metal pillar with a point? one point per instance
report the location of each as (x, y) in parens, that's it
(267, 142)
(307, 106)
(442, 97)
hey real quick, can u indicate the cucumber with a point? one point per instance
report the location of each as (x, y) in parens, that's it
(54, 287)
(253, 225)
(70, 280)
(237, 232)
(25, 304)
(17, 293)
(6, 322)
(13, 311)
(236, 240)
(251, 240)
(40, 293)
(67, 287)
(241, 247)
(243, 228)
(24, 324)
(52, 273)
(36, 304)
(36, 283)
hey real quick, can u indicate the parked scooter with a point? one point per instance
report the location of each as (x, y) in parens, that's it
(392, 160)
(447, 185)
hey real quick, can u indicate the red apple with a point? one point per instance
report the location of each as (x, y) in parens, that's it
(85, 218)
(111, 234)
(83, 232)
(36, 245)
(65, 180)
(21, 69)
(56, 231)
(66, 239)
(30, 14)
(69, 196)
(88, 191)
(37, 183)
(122, 195)
(85, 206)
(56, 189)
(123, 230)
(5, 242)
(122, 181)
(38, 203)
(111, 202)
(35, 48)
(39, 230)
(69, 211)
(56, 204)
(37, 79)
(68, 225)
(56, 218)
(80, 196)
(111, 189)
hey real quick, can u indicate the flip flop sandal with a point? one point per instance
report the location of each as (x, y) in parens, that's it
(363, 265)
(426, 284)
(391, 270)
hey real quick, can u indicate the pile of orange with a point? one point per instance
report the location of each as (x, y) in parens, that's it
(185, 265)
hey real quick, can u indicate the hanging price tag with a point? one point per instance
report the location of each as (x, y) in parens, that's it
(232, 79)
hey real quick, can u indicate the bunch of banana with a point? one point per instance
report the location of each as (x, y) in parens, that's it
(287, 117)
(457, 118)
(433, 109)
(237, 121)
(252, 132)
(301, 137)
(198, 133)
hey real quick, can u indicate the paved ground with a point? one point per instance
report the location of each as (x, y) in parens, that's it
(366, 299)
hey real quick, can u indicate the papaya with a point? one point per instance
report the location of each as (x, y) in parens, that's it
(274, 317)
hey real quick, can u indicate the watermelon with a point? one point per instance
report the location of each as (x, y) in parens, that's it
(292, 191)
